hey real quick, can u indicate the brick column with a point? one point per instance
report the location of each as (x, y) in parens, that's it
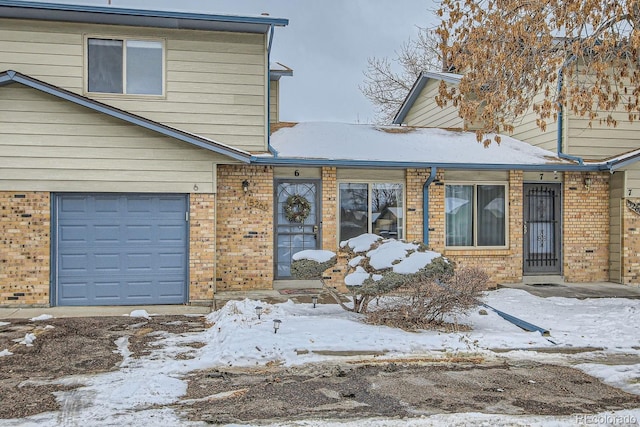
(25, 224)
(202, 247)
(586, 227)
(329, 209)
(244, 248)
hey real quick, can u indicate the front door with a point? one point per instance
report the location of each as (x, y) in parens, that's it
(542, 238)
(297, 221)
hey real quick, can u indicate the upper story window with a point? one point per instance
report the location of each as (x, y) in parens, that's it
(125, 66)
(476, 215)
(376, 207)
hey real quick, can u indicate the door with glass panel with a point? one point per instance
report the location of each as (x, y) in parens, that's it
(542, 229)
(297, 222)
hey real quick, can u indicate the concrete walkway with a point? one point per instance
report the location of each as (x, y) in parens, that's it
(578, 290)
(545, 290)
(28, 313)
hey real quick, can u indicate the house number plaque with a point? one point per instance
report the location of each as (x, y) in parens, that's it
(252, 202)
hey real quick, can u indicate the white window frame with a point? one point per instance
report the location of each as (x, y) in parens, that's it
(475, 185)
(369, 213)
(124, 40)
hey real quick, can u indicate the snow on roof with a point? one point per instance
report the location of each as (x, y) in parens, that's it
(342, 141)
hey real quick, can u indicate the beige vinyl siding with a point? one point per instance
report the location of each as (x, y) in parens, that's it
(274, 101)
(601, 141)
(616, 199)
(426, 113)
(215, 81)
(378, 175)
(526, 129)
(47, 144)
(463, 175)
(632, 182)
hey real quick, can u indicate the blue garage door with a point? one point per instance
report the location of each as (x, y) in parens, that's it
(120, 249)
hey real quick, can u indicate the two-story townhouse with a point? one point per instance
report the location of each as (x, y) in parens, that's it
(125, 137)
(142, 164)
(600, 244)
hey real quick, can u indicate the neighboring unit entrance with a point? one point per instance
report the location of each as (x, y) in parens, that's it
(295, 236)
(120, 249)
(542, 238)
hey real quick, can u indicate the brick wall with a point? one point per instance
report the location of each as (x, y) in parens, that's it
(244, 228)
(25, 226)
(630, 245)
(202, 228)
(586, 227)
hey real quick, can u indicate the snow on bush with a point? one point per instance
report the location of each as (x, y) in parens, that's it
(41, 318)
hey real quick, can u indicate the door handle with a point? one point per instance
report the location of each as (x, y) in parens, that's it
(315, 231)
(524, 228)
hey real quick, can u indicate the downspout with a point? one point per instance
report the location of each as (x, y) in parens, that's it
(425, 205)
(269, 147)
(561, 117)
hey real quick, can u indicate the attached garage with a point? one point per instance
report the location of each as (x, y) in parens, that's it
(120, 249)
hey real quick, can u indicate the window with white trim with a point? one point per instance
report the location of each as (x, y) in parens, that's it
(476, 215)
(125, 66)
(371, 207)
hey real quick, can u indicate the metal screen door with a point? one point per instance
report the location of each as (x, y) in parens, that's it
(293, 237)
(542, 239)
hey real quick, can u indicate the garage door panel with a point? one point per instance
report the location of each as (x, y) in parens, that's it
(121, 249)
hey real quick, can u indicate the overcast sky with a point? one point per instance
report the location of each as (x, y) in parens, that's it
(327, 43)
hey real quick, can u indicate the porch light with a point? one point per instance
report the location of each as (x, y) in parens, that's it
(276, 325)
(245, 185)
(314, 300)
(259, 311)
(587, 182)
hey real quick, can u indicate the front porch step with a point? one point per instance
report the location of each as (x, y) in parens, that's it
(549, 280)
(296, 284)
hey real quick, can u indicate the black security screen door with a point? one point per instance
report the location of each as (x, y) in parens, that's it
(542, 239)
(295, 236)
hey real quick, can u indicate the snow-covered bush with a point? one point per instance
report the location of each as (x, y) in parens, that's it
(427, 283)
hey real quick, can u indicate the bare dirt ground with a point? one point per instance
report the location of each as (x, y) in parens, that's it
(393, 389)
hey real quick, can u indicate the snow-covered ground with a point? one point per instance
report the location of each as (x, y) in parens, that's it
(238, 338)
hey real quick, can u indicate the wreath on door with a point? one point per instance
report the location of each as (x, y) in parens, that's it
(297, 208)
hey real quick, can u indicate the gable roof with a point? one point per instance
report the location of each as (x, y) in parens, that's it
(417, 87)
(278, 69)
(8, 77)
(137, 17)
(354, 145)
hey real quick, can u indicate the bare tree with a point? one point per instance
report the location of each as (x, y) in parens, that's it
(388, 81)
(578, 54)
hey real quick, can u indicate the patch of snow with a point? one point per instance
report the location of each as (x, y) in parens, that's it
(388, 252)
(415, 262)
(361, 243)
(357, 278)
(28, 339)
(355, 261)
(140, 313)
(41, 318)
(122, 345)
(314, 255)
(625, 377)
(5, 323)
(5, 352)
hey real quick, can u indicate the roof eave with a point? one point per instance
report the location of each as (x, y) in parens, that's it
(415, 91)
(137, 17)
(557, 167)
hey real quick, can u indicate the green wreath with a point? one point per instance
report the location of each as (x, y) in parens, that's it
(297, 208)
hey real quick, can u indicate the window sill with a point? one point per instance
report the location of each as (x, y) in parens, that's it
(478, 252)
(100, 95)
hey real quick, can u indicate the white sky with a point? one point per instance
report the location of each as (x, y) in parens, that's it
(327, 43)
